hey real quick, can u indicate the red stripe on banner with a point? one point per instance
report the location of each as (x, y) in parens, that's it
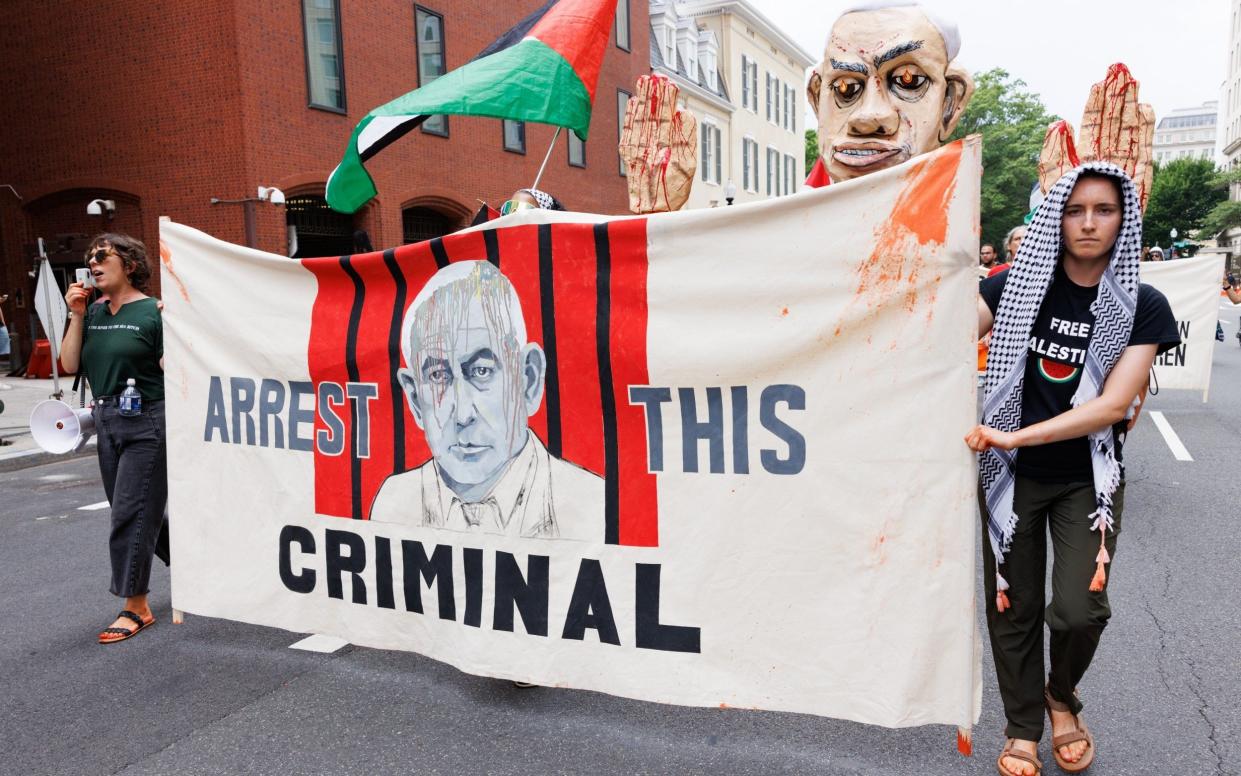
(375, 367)
(325, 360)
(575, 290)
(417, 265)
(639, 499)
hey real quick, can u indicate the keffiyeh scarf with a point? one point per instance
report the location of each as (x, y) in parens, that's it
(1028, 281)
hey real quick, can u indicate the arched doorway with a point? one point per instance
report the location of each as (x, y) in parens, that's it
(424, 223)
(315, 229)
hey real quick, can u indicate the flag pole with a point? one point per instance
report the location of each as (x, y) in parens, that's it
(543, 166)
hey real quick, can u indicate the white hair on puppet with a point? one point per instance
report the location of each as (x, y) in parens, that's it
(481, 279)
(947, 28)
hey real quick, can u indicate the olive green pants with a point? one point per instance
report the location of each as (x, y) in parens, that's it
(1076, 617)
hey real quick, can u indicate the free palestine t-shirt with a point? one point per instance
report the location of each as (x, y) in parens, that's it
(1058, 344)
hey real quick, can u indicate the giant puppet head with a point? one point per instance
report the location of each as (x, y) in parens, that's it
(886, 90)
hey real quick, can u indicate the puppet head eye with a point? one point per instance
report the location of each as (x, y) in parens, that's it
(846, 90)
(908, 78)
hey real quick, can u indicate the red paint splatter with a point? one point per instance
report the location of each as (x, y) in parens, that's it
(919, 220)
(784, 312)
(165, 257)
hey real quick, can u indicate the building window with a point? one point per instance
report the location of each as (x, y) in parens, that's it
(773, 172)
(622, 24)
(754, 86)
(622, 100)
(790, 174)
(777, 88)
(789, 98)
(429, 43)
(577, 150)
(423, 223)
(749, 164)
(745, 81)
(325, 68)
(709, 160)
(514, 136)
(768, 96)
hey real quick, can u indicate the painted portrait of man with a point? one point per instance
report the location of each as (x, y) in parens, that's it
(472, 381)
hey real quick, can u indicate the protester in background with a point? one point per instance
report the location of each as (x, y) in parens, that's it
(530, 198)
(362, 242)
(113, 343)
(5, 345)
(1072, 349)
(986, 255)
(1230, 288)
(1156, 254)
(1012, 243)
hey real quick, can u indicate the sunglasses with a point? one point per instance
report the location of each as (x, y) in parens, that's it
(513, 205)
(98, 256)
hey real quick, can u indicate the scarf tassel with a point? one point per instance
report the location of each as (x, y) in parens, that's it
(965, 741)
(1099, 580)
(1001, 584)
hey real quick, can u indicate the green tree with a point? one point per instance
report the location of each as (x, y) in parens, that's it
(812, 149)
(1184, 193)
(1012, 122)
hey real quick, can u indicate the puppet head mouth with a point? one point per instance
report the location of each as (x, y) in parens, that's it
(864, 155)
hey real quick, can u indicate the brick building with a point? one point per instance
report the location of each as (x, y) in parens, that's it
(160, 107)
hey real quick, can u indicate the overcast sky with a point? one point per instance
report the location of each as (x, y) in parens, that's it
(1177, 50)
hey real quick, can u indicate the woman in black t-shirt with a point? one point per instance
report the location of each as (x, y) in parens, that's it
(113, 342)
(1074, 335)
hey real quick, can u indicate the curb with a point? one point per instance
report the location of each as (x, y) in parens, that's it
(27, 458)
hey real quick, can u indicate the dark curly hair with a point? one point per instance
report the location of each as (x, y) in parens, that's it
(133, 256)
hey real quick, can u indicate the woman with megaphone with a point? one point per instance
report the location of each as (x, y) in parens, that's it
(118, 344)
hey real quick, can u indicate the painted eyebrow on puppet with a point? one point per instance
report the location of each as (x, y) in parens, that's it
(853, 67)
(896, 51)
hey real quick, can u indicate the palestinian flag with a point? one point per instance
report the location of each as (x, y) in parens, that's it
(543, 70)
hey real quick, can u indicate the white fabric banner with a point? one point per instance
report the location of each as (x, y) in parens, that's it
(1192, 288)
(710, 458)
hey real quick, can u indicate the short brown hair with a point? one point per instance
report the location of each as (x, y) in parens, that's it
(133, 256)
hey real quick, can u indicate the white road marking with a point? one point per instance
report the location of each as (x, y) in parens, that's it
(318, 643)
(93, 507)
(57, 477)
(1174, 442)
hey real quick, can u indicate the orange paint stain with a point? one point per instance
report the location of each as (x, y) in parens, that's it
(784, 312)
(918, 223)
(165, 258)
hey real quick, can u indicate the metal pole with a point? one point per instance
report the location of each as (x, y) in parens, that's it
(543, 166)
(252, 240)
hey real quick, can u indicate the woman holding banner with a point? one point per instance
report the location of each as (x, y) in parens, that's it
(114, 342)
(1074, 335)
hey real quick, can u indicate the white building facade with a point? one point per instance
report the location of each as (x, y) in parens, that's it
(1228, 138)
(744, 80)
(1187, 133)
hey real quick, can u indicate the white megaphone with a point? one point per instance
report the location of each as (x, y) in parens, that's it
(59, 428)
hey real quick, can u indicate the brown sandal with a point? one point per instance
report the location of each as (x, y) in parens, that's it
(1009, 751)
(1082, 733)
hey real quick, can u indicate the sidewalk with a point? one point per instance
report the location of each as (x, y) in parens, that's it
(20, 396)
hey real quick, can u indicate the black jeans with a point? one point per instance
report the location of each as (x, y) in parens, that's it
(1075, 617)
(134, 465)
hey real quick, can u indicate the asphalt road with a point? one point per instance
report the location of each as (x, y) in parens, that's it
(216, 697)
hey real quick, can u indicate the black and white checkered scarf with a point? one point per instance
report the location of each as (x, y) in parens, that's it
(1113, 308)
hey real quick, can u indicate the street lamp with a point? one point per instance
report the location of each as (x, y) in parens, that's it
(730, 192)
(1172, 246)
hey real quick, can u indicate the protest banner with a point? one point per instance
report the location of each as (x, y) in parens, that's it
(709, 458)
(1192, 289)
